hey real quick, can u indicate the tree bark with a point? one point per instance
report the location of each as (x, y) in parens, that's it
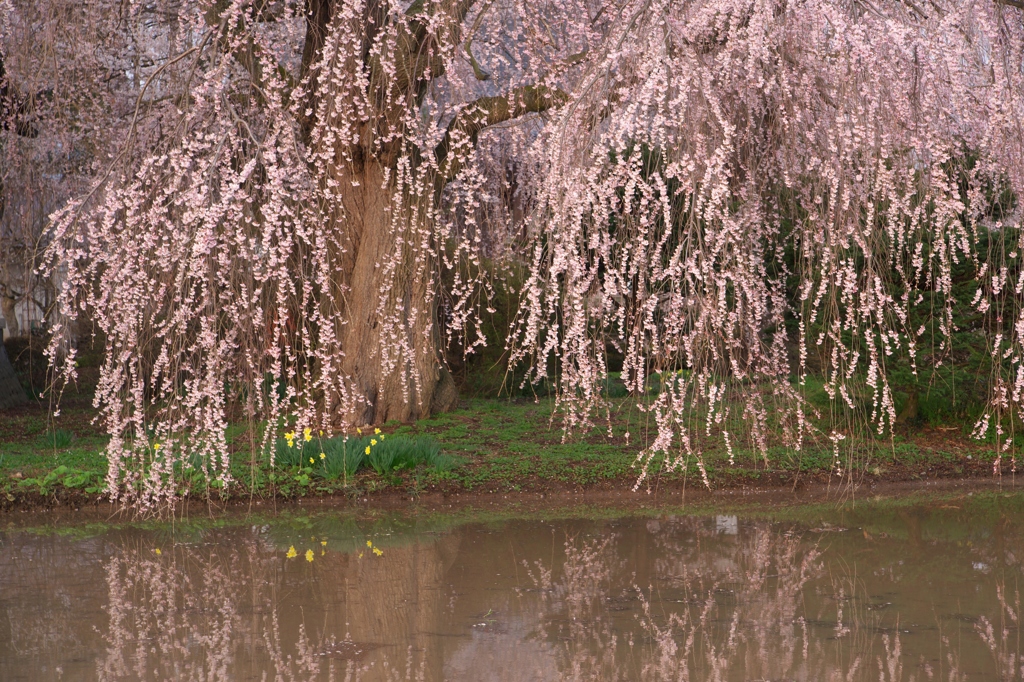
(7, 310)
(11, 392)
(385, 272)
(389, 337)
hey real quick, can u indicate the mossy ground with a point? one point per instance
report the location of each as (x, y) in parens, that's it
(499, 445)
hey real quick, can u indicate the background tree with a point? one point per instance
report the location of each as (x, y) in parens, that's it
(12, 120)
(71, 78)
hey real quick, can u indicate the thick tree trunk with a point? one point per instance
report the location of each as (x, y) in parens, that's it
(389, 337)
(11, 392)
(7, 311)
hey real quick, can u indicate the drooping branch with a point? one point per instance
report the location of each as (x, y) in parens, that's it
(252, 57)
(399, 72)
(246, 51)
(318, 19)
(416, 55)
(489, 111)
(5, 107)
(5, 95)
(15, 110)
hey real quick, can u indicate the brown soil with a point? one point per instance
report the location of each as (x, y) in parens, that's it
(730, 485)
(79, 509)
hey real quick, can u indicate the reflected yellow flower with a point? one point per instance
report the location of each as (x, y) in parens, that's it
(378, 552)
(323, 543)
(158, 552)
(369, 543)
(291, 552)
(309, 555)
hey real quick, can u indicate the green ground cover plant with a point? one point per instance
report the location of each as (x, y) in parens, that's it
(503, 439)
(488, 445)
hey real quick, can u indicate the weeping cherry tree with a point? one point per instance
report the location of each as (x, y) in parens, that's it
(724, 192)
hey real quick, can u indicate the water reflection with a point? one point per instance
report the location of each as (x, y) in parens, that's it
(911, 594)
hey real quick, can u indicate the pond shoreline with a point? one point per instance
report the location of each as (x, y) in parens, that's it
(809, 490)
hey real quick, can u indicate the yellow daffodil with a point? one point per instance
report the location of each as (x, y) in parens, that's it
(323, 543)
(321, 433)
(309, 555)
(291, 552)
(360, 555)
(378, 552)
(367, 449)
(377, 431)
(323, 456)
(307, 435)
(373, 441)
(359, 431)
(369, 543)
(156, 446)
(158, 552)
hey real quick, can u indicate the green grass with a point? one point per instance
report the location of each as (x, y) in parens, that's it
(34, 458)
(488, 445)
(45, 464)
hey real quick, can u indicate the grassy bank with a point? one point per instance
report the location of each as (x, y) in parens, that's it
(488, 446)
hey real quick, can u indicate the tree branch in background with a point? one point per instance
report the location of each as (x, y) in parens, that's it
(13, 111)
(248, 53)
(488, 111)
(418, 55)
(477, 70)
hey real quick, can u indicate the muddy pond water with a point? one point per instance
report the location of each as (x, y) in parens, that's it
(921, 589)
